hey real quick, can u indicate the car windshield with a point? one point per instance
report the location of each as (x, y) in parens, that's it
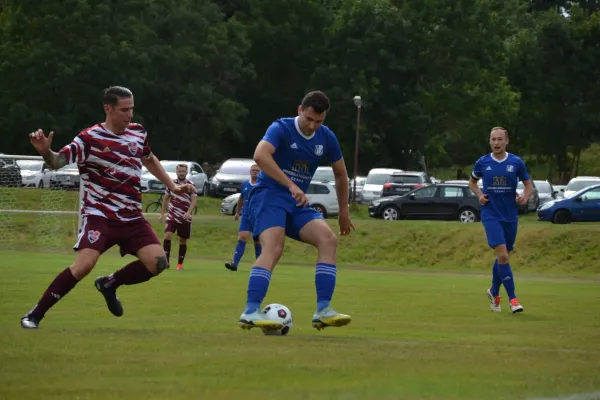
(405, 179)
(578, 185)
(324, 174)
(235, 169)
(542, 187)
(30, 165)
(377, 179)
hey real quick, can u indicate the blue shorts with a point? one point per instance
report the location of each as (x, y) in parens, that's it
(269, 208)
(500, 232)
(245, 225)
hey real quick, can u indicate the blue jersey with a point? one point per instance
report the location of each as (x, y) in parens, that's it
(298, 155)
(244, 192)
(500, 180)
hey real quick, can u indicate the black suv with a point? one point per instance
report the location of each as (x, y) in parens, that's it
(401, 183)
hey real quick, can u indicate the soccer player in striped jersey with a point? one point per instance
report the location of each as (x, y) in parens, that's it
(110, 156)
(179, 217)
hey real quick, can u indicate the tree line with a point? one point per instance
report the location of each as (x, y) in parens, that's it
(209, 76)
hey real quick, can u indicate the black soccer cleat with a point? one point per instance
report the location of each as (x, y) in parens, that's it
(30, 322)
(110, 295)
(231, 266)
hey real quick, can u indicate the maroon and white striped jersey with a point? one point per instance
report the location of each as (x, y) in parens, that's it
(179, 204)
(110, 170)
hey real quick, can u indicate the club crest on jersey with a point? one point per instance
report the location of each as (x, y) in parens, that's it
(510, 168)
(93, 236)
(132, 148)
(319, 150)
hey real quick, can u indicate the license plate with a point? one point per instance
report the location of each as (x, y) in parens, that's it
(229, 189)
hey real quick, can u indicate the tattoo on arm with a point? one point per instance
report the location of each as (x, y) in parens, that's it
(161, 264)
(54, 160)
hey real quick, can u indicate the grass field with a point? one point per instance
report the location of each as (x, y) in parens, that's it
(421, 324)
(413, 336)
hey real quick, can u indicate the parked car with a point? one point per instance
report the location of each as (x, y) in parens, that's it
(546, 191)
(321, 194)
(10, 173)
(560, 191)
(400, 183)
(195, 174)
(376, 178)
(229, 177)
(360, 185)
(66, 178)
(533, 202)
(580, 182)
(584, 205)
(34, 173)
(435, 201)
(324, 174)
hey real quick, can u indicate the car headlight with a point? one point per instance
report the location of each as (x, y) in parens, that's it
(547, 205)
(229, 200)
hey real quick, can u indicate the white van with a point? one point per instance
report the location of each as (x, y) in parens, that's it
(580, 182)
(374, 184)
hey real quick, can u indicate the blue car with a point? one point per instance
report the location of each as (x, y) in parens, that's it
(584, 205)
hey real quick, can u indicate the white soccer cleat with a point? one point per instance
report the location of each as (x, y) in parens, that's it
(515, 306)
(494, 302)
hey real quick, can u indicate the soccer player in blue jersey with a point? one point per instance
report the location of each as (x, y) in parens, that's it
(245, 228)
(501, 172)
(288, 156)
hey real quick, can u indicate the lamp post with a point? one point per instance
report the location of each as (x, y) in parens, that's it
(358, 104)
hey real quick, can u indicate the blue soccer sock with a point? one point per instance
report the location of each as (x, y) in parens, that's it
(257, 250)
(506, 275)
(325, 276)
(496, 280)
(239, 252)
(258, 284)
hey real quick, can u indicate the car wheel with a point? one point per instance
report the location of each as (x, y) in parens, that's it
(390, 213)
(320, 209)
(562, 217)
(467, 216)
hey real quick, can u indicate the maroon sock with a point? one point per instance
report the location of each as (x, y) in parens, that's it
(182, 250)
(167, 247)
(60, 286)
(132, 273)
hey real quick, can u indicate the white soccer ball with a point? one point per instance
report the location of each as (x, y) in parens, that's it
(279, 313)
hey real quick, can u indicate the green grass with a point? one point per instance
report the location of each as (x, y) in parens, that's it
(413, 336)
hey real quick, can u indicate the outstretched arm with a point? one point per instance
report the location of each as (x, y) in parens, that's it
(42, 144)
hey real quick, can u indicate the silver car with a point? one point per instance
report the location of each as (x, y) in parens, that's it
(321, 194)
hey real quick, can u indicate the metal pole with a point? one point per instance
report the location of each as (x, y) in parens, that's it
(356, 154)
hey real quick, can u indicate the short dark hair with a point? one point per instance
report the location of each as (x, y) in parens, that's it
(317, 100)
(114, 93)
(499, 128)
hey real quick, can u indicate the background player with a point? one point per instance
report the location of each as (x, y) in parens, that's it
(110, 157)
(245, 230)
(179, 218)
(288, 156)
(501, 172)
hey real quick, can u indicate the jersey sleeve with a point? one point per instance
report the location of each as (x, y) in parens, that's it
(146, 150)
(477, 170)
(334, 151)
(275, 134)
(78, 150)
(523, 173)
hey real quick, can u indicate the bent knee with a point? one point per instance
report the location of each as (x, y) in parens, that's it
(244, 236)
(161, 264)
(82, 268)
(328, 240)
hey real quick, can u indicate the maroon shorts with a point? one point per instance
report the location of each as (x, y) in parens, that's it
(100, 234)
(184, 230)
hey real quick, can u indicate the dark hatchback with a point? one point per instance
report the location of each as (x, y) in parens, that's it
(400, 183)
(436, 201)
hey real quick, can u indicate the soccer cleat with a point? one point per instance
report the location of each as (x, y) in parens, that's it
(258, 319)
(231, 266)
(494, 301)
(515, 306)
(329, 317)
(110, 295)
(30, 322)
(179, 267)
